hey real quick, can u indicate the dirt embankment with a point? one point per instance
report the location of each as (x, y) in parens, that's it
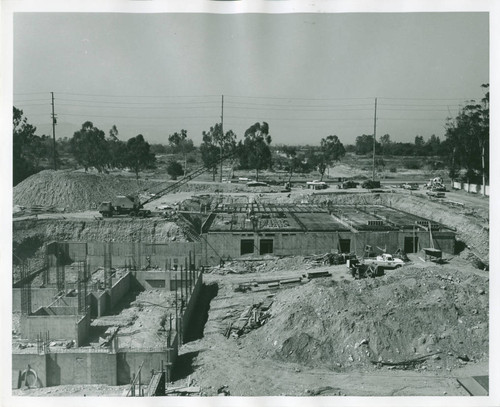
(30, 235)
(346, 325)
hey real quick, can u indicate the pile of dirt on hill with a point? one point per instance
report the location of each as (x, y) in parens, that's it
(74, 190)
(397, 318)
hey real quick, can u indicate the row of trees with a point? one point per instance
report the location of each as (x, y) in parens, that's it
(466, 146)
(91, 148)
(469, 136)
(386, 147)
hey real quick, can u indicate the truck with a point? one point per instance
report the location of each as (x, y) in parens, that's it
(123, 205)
(385, 260)
(316, 184)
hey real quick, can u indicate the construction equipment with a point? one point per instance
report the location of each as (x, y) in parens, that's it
(187, 178)
(360, 270)
(123, 205)
(436, 185)
(373, 267)
(131, 205)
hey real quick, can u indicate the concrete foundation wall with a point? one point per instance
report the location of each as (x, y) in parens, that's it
(128, 363)
(99, 303)
(40, 297)
(65, 327)
(135, 254)
(191, 305)
(119, 289)
(153, 279)
(81, 368)
(160, 279)
(226, 245)
(36, 362)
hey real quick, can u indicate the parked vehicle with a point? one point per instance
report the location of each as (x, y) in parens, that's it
(411, 186)
(385, 260)
(348, 184)
(316, 184)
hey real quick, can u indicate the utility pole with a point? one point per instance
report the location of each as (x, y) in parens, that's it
(374, 136)
(53, 132)
(222, 136)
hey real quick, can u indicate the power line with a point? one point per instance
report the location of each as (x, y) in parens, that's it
(137, 103)
(294, 98)
(138, 96)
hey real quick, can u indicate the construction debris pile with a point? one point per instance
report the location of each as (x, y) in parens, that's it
(417, 318)
(251, 318)
(262, 265)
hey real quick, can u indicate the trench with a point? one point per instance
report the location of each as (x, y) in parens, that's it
(199, 318)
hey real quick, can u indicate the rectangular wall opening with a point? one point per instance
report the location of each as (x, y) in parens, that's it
(411, 244)
(246, 246)
(345, 245)
(266, 246)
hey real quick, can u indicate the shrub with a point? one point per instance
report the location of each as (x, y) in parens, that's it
(413, 164)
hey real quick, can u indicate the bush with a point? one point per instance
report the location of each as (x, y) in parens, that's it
(393, 169)
(413, 165)
(174, 169)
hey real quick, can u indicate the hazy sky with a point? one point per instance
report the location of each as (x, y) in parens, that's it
(307, 75)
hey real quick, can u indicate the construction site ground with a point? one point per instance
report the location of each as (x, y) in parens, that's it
(255, 364)
(328, 336)
(355, 322)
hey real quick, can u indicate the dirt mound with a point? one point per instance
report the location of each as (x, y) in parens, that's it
(74, 190)
(349, 325)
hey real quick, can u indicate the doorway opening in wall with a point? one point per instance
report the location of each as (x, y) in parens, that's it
(246, 246)
(266, 246)
(411, 244)
(345, 245)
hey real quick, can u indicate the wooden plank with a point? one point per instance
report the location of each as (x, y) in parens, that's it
(483, 381)
(472, 386)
